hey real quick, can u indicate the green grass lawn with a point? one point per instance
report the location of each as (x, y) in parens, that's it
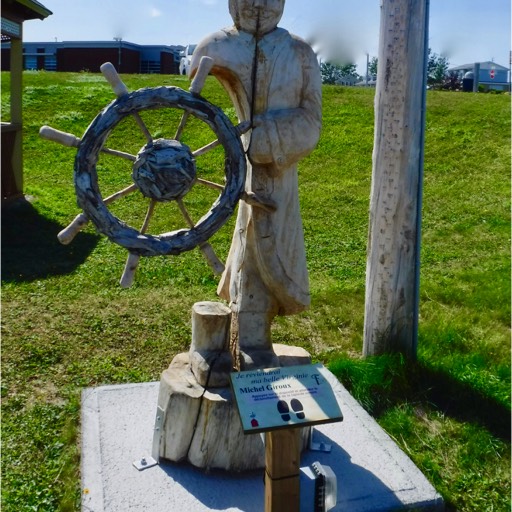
(67, 324)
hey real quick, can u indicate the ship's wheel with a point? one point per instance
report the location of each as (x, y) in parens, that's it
(164, 170)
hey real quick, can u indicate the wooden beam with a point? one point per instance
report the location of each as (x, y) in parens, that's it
(282, 470)
(16, 113)
(392, 274)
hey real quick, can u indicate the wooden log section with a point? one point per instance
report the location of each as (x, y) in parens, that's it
(282, 470)
(392, 272)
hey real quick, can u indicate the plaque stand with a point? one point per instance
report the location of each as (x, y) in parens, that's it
(282, 470)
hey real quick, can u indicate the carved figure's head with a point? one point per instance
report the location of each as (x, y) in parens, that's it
(253, 16)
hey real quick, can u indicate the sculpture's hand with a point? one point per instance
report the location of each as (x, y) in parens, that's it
(269, 132)
(260, 149)
(255, 200)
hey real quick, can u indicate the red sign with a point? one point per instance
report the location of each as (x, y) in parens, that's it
(492, 74)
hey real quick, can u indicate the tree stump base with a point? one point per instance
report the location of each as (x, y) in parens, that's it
(201, 425)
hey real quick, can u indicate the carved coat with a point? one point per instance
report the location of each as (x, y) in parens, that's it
(266, 267)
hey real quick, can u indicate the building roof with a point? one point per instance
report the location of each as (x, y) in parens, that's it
(483, 66)
(24, 10)
(103, 44)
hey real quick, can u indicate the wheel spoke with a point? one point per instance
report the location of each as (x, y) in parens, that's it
(207, 250)
(132, 262)
(240, 130)
(121, 193)
(204, 68)
(181, 126)
(143, 127)
(149, 214)
(70, 140)
(120, 90)
(67, 235)
(210, 184)
(185, 213)
(120, 154)
(205, 149)
(211, 258)
(243, 127)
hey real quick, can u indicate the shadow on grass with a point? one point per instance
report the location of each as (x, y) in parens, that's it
(383, 382)
(30, 249)
(462, 402)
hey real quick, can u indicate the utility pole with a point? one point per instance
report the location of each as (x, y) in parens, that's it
(392, 272)
(367, 68)
(119, 50)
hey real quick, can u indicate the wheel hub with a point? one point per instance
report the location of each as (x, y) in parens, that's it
(164, 170)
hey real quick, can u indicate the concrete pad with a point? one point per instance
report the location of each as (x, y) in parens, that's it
(117, 429)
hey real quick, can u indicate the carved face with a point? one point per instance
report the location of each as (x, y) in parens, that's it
(245, 14)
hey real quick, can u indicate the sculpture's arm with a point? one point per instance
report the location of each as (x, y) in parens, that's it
(281, 138)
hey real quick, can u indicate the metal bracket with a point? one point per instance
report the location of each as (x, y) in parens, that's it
(149, 462)
(145, 463)
(318, 447)
(157, 433)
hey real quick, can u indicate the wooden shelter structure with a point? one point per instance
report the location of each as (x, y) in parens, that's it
(14, 13)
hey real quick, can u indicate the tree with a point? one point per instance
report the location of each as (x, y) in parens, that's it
(372, 67)
(452, 82)
(334, 73)
(329, 73)
(437, 68)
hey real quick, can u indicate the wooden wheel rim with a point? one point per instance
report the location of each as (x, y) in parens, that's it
(86, 178)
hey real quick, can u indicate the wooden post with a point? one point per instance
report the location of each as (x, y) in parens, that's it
(282, 470)
(392, 273)
(16, 111)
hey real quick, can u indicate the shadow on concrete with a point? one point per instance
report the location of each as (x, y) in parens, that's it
(30, 249)
(358, 489)
(220, 490)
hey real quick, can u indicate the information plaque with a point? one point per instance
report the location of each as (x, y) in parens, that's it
(291, 396)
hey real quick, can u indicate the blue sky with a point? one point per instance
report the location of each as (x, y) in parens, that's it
(465, 31)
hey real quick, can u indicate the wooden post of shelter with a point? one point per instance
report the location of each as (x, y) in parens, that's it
(14, 13)
(392, 273)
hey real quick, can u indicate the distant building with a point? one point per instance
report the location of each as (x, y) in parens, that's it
(370, 82)
(347, 80)
(90, 55)
(491, 76)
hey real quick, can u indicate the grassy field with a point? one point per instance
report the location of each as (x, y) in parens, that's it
(68, 325)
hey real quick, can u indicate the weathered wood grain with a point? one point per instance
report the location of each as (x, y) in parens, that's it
(393, 244)
(86, 179)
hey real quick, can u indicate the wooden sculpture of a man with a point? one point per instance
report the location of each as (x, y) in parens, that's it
(274, 82)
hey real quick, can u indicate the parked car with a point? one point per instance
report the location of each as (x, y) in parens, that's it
(186, 58)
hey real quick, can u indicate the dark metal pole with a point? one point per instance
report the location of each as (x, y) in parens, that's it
(416, 312)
